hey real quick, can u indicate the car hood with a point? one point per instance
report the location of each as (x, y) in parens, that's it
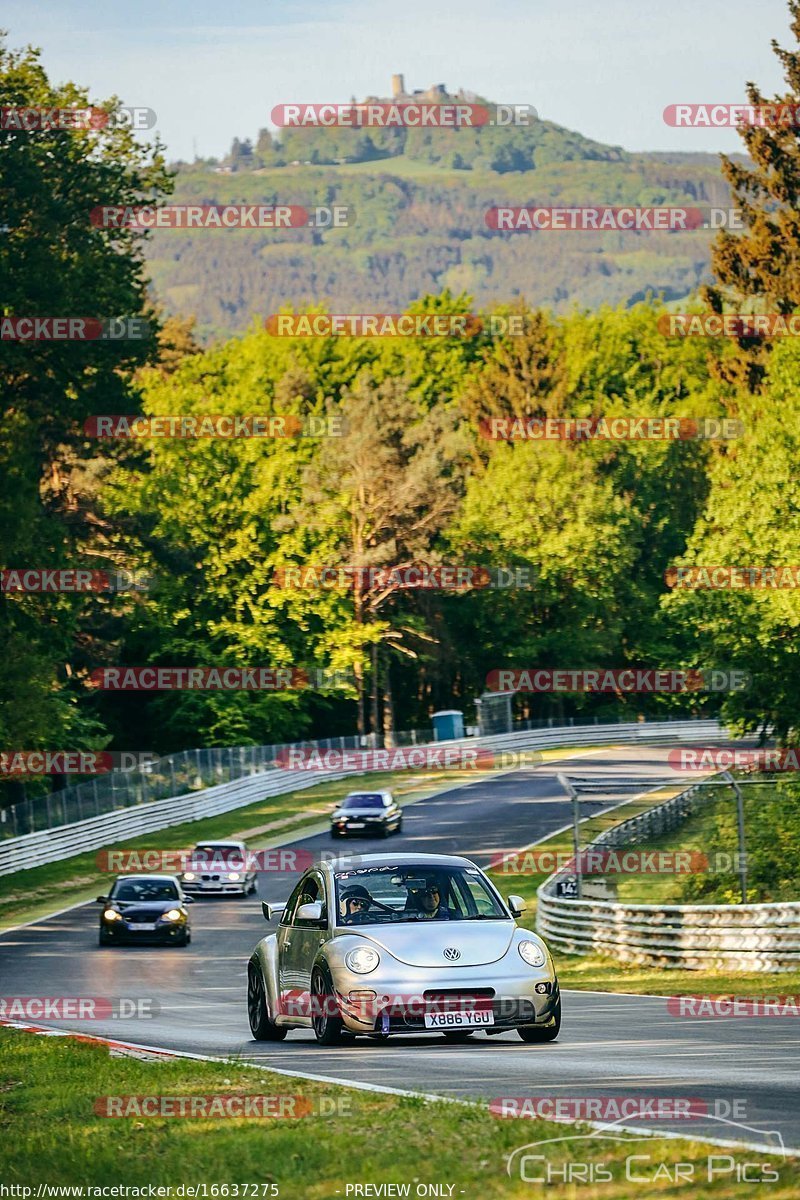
(423, 943)
(145, 910)
(359, 812)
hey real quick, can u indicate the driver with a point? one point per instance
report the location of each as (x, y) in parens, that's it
(355, 904)
(428, 902)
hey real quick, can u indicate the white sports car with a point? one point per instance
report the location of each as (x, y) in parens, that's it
(384, 944)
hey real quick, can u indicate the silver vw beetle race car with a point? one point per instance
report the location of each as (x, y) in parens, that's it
(383, 944)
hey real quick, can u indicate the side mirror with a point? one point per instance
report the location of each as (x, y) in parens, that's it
(517, 904)
(271, 910)
(102, 899)
(309, 912)
(188, 899)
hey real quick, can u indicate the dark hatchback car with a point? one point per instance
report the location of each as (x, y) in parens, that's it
(367, 812)
(145, 908)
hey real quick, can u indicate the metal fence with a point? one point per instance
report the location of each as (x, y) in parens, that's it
(743, 937)
(132, 820)
(173, 775)
(189, 771)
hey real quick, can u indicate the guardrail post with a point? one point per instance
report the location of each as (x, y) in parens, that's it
(740, 826)
(576, 821)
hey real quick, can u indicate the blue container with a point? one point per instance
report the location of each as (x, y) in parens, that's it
(448, 724)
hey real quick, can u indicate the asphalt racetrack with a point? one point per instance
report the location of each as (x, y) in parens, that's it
(746, 1070)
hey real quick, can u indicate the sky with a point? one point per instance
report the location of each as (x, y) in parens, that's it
(607, 68)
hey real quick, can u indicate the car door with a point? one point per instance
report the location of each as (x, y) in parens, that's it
(298, 942)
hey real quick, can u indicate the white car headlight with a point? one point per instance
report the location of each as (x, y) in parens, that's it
(189, 875)
(173, 914)
(362, 960)
(532, 954)
(234, 875)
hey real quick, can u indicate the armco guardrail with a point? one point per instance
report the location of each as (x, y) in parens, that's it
(745, 937)
(65, 841)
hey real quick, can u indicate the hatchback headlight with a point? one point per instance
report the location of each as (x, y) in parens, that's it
(362, 960)
(173, 914)
(532, 954)
(111, 914)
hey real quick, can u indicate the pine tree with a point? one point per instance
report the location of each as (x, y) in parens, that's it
(760, 266)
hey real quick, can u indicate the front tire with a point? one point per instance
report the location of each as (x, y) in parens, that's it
(262, 1029)
(326, 1025)
(542, 1033)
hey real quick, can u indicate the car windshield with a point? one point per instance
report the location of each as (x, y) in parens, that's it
(396, 894)
(365, 801)
(209, 851)
(139, 890)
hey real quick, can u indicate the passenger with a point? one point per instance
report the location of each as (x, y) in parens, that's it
(428, 902)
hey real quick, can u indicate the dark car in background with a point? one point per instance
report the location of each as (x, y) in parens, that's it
(145, 908)
(367, 812)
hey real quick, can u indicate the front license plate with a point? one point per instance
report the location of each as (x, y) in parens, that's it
(140, 926)
(459, 1020)
(357, 825)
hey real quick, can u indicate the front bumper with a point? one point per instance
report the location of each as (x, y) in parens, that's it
(400, 1004)
(216, 887)
(339, 829)
(172, 932)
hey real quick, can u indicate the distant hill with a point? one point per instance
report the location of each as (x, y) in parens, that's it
(419, 201)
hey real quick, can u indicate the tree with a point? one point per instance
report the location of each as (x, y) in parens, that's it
(379, 497)
(55, 262)
(760, 267)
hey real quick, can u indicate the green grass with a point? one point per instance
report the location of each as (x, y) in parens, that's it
(51, 1135)
(593, 972)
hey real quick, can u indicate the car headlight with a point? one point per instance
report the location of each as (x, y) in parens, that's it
(362, 960)
(111, 914)
(189, 875)
(532, 954)
(173, 914)
(234, 875)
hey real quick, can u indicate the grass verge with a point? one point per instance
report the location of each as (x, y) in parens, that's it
(52, 1135)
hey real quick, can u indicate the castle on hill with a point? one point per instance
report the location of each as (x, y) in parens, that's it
(436, 93)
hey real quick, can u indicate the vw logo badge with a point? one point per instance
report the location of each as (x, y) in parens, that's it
(451, 954)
